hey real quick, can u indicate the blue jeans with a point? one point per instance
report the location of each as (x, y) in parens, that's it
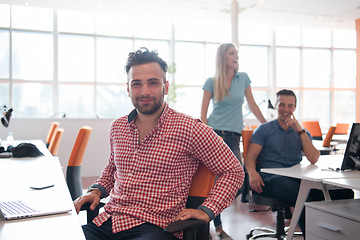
(146, 231)
(233, 142)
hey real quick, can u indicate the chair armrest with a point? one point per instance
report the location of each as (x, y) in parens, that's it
(184, 225)
(90, 213)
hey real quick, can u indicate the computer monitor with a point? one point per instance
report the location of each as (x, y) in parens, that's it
(352, 153)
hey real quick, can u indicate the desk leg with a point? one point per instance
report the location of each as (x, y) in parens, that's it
(304, 190)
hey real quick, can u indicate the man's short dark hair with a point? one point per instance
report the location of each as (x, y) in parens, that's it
(142, 56)
(286, 92)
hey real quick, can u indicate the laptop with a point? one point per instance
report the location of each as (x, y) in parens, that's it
(351, 159)
(16, 209)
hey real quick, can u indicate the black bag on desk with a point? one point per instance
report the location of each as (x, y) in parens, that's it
(25, 150)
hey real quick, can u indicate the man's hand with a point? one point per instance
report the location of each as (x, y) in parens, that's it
(256, 182)
(292, 122)
(92, 197)
(192, 213)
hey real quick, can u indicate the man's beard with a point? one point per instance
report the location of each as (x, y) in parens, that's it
(148, 109)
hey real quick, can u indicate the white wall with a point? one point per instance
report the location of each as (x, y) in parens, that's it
(96, 153)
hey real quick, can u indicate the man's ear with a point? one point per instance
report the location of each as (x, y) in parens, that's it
(166, 90)
(127, 88)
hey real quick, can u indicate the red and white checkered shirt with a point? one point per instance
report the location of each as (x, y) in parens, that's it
(149, 181)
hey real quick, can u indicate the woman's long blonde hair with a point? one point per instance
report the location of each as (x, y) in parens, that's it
(220, 88)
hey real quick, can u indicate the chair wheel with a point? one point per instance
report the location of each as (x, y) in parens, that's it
(248, 236)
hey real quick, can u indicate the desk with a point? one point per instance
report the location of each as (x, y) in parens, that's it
(16, 176)
(312, 177)
(353, 183)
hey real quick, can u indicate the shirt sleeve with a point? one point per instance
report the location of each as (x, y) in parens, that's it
(246, 79)
(209, 85)
(259, 135)
(213, 152)
(106, 179)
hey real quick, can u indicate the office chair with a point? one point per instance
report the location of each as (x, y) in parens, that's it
(314, 129)
(51, 132)
(276, 206)
(342, 128)
(73, 171)
(193, 229)
(246, 137)
(55, 141)
(326, 147)
(201, 185)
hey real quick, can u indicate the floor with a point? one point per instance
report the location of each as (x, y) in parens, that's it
(238, 219)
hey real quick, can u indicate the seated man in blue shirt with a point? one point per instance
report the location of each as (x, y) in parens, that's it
(282, 143)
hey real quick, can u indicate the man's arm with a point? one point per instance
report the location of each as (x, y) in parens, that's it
(92, 197)
(254, 108)
(213, 152)
(255, 180)
(205, 105)
(311, 153)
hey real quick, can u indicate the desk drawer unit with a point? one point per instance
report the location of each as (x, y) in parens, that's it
(333, 220)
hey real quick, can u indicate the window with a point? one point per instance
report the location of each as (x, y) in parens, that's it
(4, 15)
(76, 58)
(76, 22)
(288, 67)
(111, 54)
(288, 36)
(33, 100)
(344, 68)
(254, 61)
(32, 55)
(190, 64)
(316, 64)
(32, 18)
(60, 62)
(4, 54)
(314, 37)
(316, 106)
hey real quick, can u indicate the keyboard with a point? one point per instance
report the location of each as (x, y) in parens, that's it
(16, 207)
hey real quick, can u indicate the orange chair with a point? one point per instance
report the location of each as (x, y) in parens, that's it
(326, 148)
(342, 128)
(55, 141)
(73, 171)
(314, 129)
(329, 136)
(246, 137)
(51, 132)
(202, 182)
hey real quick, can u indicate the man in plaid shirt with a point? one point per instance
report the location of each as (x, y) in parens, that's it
(154, 153)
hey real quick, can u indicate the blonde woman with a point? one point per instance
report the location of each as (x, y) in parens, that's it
(227, 90)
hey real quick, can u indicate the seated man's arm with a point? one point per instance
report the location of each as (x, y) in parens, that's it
(311, 153)
(255, 180)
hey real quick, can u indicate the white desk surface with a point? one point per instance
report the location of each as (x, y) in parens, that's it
(353, 183)
(312, 176)
(17, 175)
(315, 172)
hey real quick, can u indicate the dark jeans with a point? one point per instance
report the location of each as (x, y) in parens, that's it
(144, 231)
(286, 189)
(233, 141)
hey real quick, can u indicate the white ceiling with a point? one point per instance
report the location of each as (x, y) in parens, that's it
(315, 13)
